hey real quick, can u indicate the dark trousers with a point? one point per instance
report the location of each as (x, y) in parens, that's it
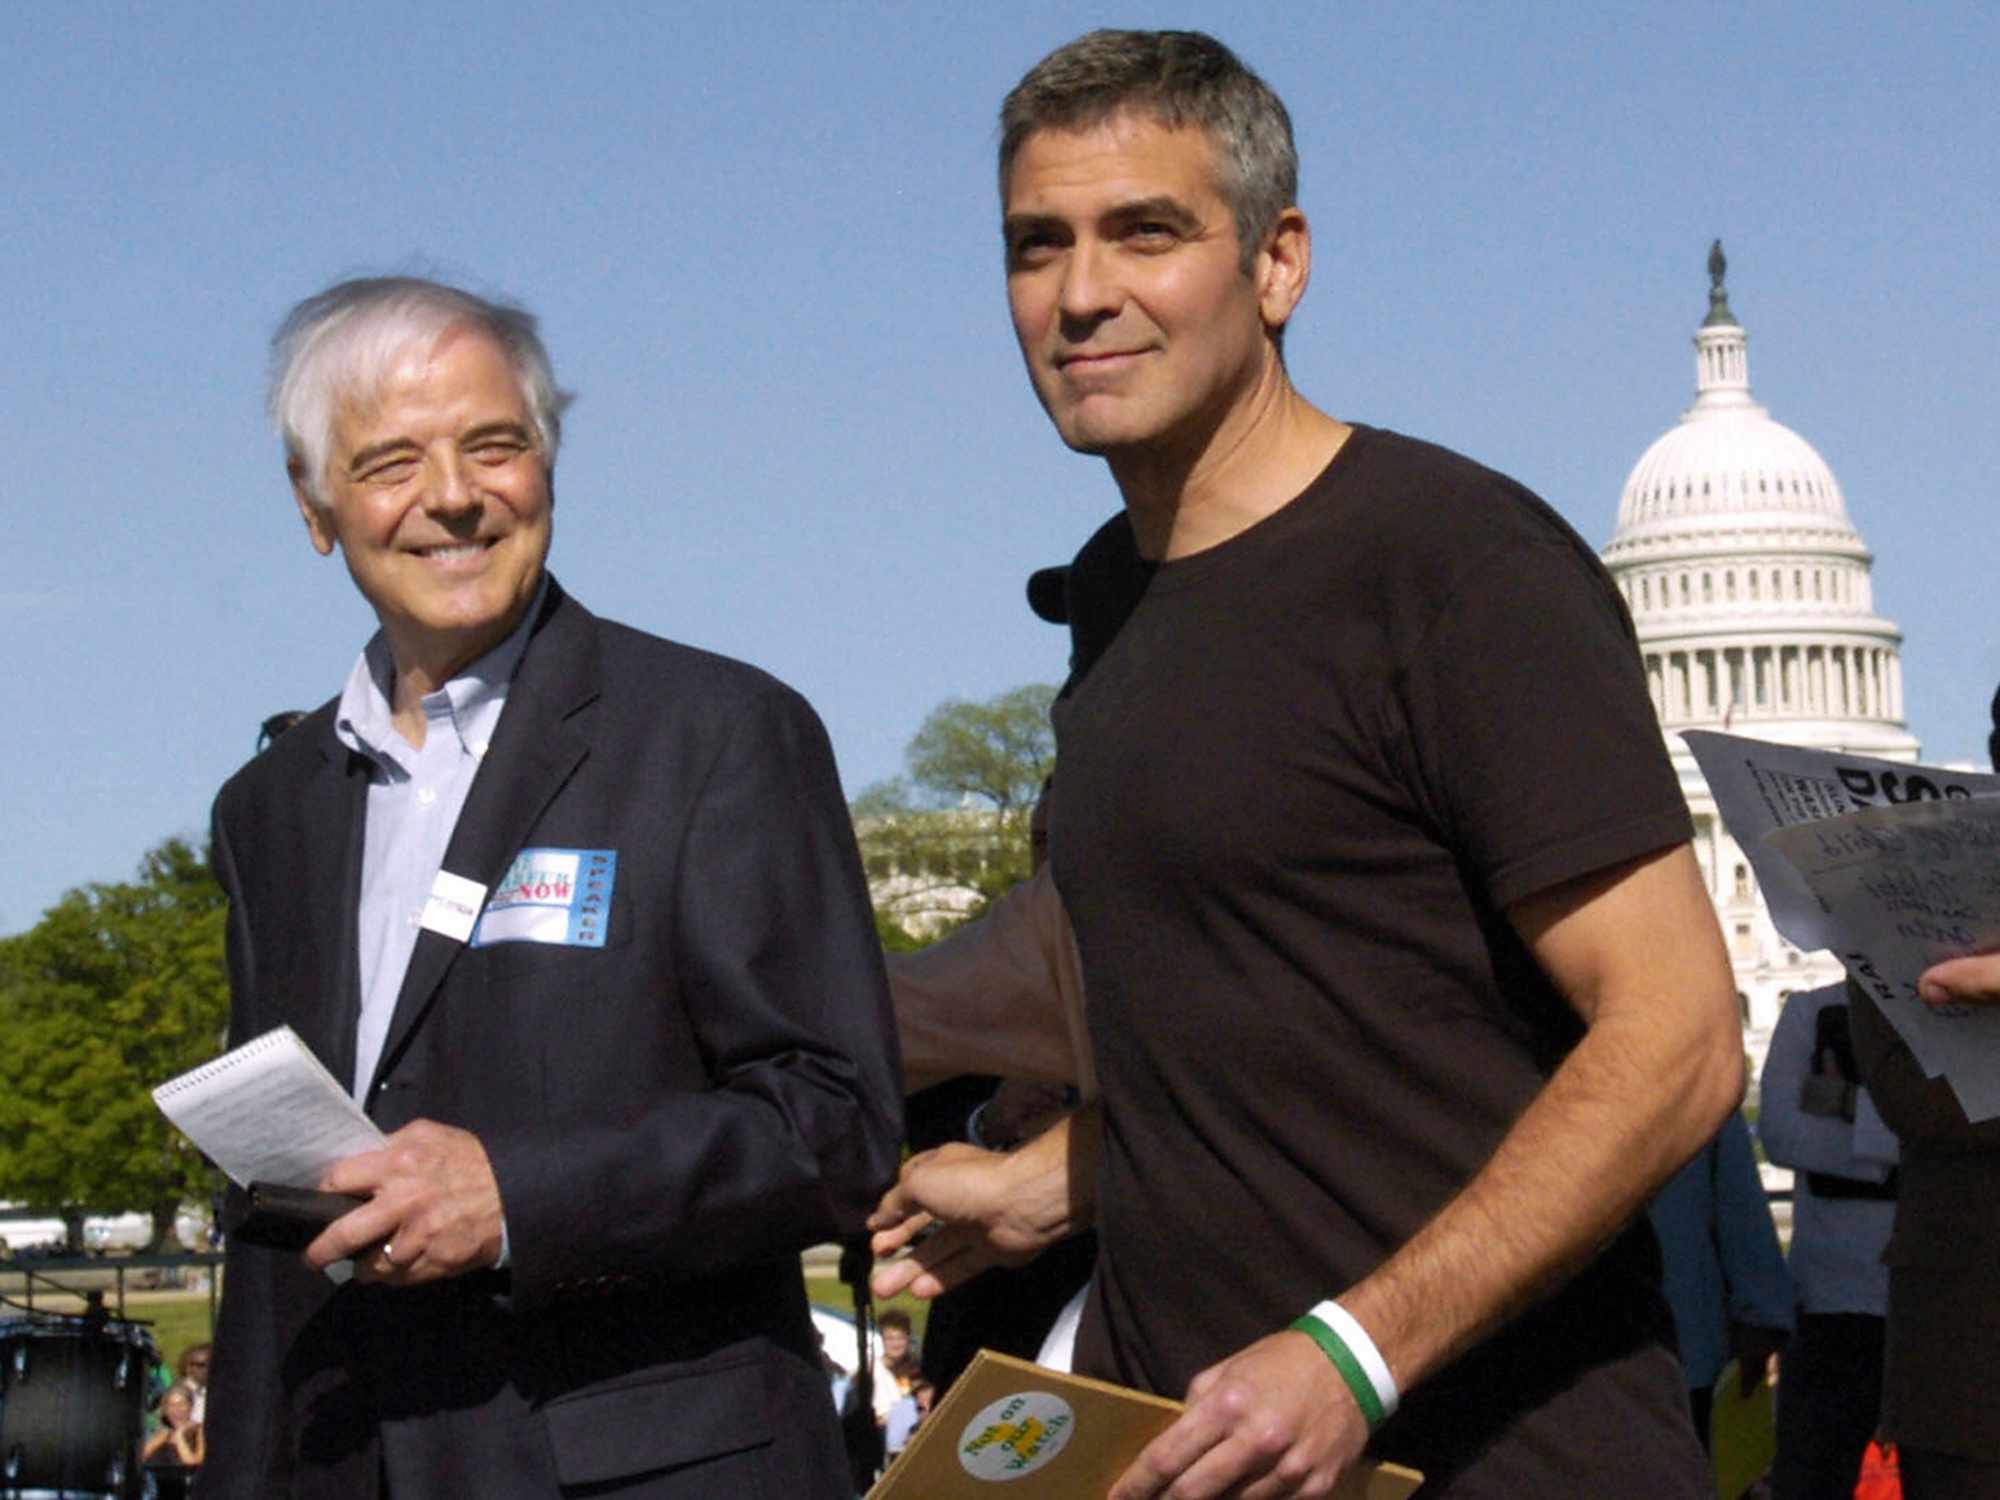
(1701, 1401)
(1829, 1403)
(1930, 1475)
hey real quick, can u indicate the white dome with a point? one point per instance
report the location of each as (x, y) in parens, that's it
(1750, 594)
(1748, 585)
(1732, 467)
(1728, 476)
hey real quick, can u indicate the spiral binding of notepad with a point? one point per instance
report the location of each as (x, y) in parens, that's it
(221, 1067)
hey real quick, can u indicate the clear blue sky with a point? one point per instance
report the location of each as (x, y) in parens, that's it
(763, 240)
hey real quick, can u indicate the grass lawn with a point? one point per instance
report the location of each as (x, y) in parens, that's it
(176, 1325)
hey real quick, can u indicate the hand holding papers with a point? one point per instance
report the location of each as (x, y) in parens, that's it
(1894, 867)
(1905, 888)
(1760, 787)
(268, 1112)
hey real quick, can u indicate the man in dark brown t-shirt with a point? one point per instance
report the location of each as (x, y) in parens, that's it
(1405, 993)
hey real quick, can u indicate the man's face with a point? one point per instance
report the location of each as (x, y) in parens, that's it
(1140, 330)
(439, 498)
(895, 1344)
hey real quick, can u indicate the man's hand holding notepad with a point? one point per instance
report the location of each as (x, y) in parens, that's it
(268, 1113)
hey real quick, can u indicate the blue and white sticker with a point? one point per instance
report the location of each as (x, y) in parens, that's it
(551, 896)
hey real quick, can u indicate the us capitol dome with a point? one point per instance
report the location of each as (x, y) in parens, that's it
(1749, 587)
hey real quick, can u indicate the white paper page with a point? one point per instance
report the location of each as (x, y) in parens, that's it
(268, 1112)
(1902, 888)
(1760, 786)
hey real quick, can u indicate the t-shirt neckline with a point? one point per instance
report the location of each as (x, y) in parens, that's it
(1268, 531)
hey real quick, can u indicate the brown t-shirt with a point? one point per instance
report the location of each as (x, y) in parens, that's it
(1302, 778)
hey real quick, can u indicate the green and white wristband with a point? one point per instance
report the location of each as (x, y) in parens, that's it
(1354, 1355)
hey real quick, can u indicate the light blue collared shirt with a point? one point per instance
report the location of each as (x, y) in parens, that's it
(414, 799)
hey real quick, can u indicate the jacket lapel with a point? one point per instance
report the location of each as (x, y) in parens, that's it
(333, 811)
(534, 752)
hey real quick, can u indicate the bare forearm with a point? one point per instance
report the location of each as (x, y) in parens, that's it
(1028, 1198)
(1614, 1122)
(1059, 1173)
(1636, 951)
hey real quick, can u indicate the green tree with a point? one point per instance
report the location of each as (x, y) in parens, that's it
(942, 841)
(116, 988)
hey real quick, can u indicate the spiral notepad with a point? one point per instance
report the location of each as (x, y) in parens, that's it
(268, 1111)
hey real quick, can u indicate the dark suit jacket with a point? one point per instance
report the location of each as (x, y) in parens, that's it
(671, 1117)
(1941, 1389)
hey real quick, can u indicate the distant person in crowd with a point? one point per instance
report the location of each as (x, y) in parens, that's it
(577, 915)
(182, 1438)
(895, 1361)
(1404, 990)
(1725, 1275)
(1941, 1384)
(905, 1413)
(1815, 1115)
(191, 1371)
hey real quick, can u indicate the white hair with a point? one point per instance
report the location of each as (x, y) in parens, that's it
(346, 342)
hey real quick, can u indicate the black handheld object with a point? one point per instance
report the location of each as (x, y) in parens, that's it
(290, 1218)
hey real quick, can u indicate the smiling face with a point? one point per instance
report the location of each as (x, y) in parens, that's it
(439, 499)
(1141, 330)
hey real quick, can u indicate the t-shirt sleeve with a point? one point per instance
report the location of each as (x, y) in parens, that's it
(1531, 727)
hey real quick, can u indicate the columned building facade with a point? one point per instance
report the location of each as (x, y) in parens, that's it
(1750, 590)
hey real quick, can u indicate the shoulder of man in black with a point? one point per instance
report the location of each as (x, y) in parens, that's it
(1453, 503)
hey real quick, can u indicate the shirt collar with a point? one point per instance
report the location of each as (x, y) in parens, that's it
(467, 706)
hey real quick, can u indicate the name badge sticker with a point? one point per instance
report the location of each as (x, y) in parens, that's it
(453, 906)
(558, 896)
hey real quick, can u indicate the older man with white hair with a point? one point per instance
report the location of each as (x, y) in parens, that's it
(576, 913)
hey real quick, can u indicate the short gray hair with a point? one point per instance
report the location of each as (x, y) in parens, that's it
(345, 342)
(1179, 78)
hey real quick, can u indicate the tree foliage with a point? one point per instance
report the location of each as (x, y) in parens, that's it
(945, 839)
(116, 988)
(997, 752)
